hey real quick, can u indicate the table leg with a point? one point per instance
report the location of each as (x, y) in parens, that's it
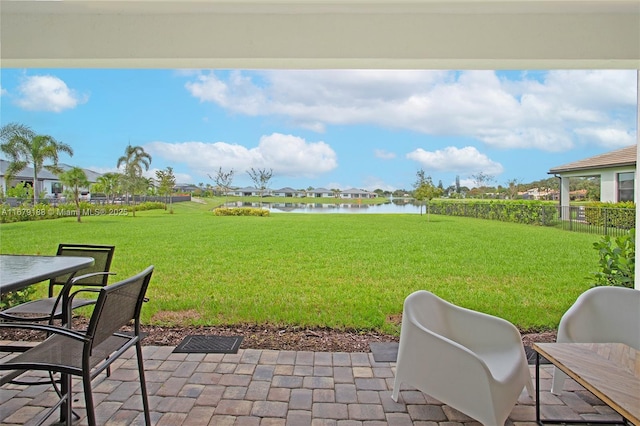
(538, 388)
(564, 422)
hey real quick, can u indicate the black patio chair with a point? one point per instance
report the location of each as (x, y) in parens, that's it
(87, 353)
(51, 307)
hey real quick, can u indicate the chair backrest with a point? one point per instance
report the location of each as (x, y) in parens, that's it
(603, 315)
(102, 254)
(428, 310)
(117, 305)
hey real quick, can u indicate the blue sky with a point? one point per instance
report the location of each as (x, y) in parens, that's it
(366, 129)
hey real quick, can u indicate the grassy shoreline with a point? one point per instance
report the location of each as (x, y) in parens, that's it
(341, 271)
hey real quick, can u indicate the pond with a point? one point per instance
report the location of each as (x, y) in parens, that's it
(396, 206)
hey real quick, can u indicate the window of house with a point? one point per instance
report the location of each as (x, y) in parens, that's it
(625, 186)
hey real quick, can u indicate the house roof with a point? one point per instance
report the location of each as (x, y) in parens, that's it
(286, 189)
(620, 157)
(355, 191)
(44, 174)
(27, 172)
(91, 175)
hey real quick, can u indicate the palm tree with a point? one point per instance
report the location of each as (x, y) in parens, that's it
(133, 162)
(108, 183)
(75, 178)
(26, 148)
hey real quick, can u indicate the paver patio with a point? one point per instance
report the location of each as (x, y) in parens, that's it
(266, 387)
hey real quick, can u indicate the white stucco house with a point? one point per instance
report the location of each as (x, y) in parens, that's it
(47, 183)
(616, 170)
(288, 192)
(320, 193)
(250, 191)
(357, 193)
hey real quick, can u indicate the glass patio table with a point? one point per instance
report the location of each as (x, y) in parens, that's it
(20, 271)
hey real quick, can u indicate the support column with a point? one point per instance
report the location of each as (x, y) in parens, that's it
(637, 177)
(565, 199)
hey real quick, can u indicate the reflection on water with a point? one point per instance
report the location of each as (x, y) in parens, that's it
(397, 206)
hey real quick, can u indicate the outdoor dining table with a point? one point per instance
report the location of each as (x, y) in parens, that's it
(20, 271)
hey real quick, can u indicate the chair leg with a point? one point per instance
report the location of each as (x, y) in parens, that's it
(88, 398)
(143, 385)
(396, 389)
(529, 386)
(66, 410)
(558, 381)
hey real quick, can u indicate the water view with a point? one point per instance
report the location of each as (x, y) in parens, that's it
(389, 207)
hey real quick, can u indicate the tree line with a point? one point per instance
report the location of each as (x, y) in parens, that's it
(25, 148)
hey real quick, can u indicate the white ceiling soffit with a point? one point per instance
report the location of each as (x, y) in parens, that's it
(427, 34)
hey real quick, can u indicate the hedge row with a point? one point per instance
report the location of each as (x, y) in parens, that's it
(618, 215)
(530, 212)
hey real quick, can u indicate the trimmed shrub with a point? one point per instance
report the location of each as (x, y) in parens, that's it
(240, 211)
(526, 212)
(149, 205)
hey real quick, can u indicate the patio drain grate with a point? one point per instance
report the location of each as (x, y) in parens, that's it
(209, 344)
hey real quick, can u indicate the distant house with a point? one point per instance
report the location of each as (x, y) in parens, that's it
(47, 185)
(185, 187)
(616, 170)
(357, 193)
(539, 194)
(250, 191)
(288, 192)
(320, 193)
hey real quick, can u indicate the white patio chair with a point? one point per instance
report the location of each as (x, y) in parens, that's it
(600, 315)
(471, 361)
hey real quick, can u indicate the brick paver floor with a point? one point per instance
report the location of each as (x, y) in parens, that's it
(265, 388)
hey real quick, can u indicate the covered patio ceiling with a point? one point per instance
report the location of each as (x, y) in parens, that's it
(424, 34)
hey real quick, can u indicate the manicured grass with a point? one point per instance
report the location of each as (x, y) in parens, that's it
(337, 270)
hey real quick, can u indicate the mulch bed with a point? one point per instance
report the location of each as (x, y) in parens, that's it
(272, 337)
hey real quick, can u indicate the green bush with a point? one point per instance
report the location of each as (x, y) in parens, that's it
(617, 260)
(240, 211)
(150, 205)
(14, 298)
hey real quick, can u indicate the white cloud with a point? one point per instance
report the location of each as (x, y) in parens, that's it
(538, 110)
(383, 154)
(287, 155)
(47, 93)
(371, 183)
(608, 136)
(451, 159)
(3, 91)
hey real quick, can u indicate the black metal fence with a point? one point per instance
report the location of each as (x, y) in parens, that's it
(598, 220)
(612, 221)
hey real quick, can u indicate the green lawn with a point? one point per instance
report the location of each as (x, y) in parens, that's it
(333, 270)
